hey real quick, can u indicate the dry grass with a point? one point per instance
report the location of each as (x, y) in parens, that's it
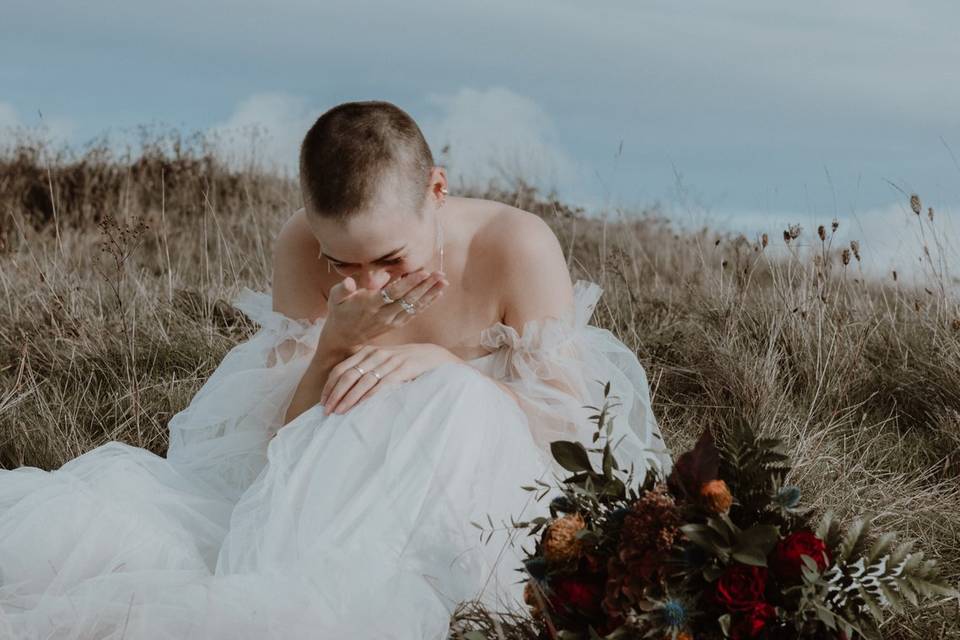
(115, 272)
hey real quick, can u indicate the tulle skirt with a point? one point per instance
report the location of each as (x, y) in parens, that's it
(371, 524)
(357, 525)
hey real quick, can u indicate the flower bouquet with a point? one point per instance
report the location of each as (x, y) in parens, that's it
(721, 548)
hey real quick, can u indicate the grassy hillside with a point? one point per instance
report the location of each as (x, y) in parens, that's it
(115, 276)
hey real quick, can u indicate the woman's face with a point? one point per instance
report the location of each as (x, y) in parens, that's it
(379, 246)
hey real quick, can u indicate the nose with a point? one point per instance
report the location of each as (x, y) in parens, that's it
(372, 278)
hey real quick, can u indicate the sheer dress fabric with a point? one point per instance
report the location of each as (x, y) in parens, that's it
(348, 525)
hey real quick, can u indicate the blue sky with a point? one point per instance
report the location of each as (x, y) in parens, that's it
(747, 114)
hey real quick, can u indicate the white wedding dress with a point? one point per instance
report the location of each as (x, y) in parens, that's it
(342, 526)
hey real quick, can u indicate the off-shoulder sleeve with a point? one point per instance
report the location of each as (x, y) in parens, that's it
(222, 435)
(557, 367)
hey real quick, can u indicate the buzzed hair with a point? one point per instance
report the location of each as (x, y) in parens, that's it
(350, 152)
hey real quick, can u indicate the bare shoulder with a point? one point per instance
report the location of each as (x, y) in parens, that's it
(297, 277)
(531, 267)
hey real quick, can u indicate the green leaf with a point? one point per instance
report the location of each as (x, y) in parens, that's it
(607, 462)
(719, 525)
(907, 590)
(750, 555)
(572, 456)
(850, 539)
(880, 547)
(826, 616)
(706, 538)
(872, 602)
(712, 572)
(724, 621)
(762, 536)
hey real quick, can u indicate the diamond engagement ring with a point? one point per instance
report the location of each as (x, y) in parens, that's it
(409, 308)
(386, 296)
(357, 367)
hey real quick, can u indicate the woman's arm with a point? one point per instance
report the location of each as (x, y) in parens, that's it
(297, 289)
(535, 279)
(326, 357)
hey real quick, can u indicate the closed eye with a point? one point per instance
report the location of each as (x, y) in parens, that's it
(340, 265)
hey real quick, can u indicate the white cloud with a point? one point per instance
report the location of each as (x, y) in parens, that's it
(8, 116)
(52, 130)
(890, 237)
(496, 135)
(265, 130)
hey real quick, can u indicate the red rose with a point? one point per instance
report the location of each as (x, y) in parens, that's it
(741, 587)
(753, 621)
(569, 593)
(785, 559)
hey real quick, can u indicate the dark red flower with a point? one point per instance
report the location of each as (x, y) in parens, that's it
(740, 587)
(750, 623)
(569, 593)
(785, 558)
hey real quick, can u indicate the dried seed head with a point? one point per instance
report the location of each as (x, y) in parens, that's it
(845, 256)
(795, 230)
(855, 247)
(930, 213)
(764, 240)
(915, 204)
(822, 232)
(716, 496)
(834, 224)
(894, 275)
(786, 236)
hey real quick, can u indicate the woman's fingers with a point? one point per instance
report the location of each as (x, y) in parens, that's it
(366, 384)
(421, 297)
(384, 380)
(374, 359)
(432, 294)
(343, 368)
(404, 284)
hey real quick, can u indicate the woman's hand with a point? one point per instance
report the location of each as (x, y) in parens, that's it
(356, 316)
(346, 386)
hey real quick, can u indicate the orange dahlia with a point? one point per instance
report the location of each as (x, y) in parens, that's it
(716, 496)
(560, 543)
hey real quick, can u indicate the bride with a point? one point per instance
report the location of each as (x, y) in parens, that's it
(416, 356)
